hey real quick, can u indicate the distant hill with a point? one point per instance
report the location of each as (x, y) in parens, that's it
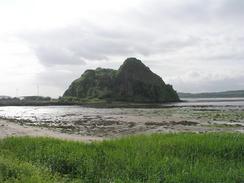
(132, 82)
(225, 94)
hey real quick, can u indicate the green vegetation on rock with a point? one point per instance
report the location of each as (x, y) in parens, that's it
(132, 82)
(168, 158)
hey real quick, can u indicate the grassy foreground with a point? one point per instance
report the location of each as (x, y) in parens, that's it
(189, 158)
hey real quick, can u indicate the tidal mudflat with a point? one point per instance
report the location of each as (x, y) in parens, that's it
(192, 116)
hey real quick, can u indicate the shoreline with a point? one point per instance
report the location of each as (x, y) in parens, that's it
(98, 104)
(99, 124)
(12, 129)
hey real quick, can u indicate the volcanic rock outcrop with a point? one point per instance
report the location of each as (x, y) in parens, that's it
(132, 82)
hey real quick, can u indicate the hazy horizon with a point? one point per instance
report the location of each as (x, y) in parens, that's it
(197, 46)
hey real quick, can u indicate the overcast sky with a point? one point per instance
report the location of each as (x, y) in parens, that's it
(195, 45)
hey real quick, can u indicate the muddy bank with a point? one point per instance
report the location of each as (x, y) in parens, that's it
(9, 128)
(77, 122)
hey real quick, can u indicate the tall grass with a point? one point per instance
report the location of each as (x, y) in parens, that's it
(170, 158)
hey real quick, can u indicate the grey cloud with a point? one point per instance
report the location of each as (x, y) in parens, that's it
(153, 28)
(182, 13)
(74, 45)
(210, 85)
(59, 77)
(225, 84)
(50, 55)
(232, 10)
(187, 12)
(182, 34)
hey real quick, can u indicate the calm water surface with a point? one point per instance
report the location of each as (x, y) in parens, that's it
(75, 113)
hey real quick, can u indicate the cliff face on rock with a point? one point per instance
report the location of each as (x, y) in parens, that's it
(133, 82)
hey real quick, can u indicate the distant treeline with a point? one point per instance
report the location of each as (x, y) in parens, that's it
(225, 94)
(28, 100)
(47, 101)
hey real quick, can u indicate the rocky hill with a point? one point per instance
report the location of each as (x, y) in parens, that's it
(132, 82)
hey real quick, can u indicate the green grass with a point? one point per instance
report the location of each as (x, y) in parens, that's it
(171, 158)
